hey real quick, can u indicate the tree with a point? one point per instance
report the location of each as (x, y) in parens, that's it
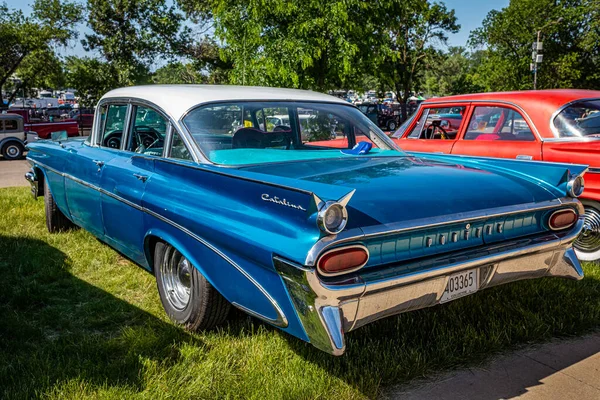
(41, 69)
(24, 38)
(451, 72)
(406, 35)
(310, 44)
(91, 78)
(570, 32)
(131, 34)
(178, 72)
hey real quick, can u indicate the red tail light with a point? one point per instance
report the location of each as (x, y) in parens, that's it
(343, 260)
(562, 219)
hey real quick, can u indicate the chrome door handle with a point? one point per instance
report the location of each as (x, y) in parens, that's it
(142, 178)
(524, 157)
(99, 163)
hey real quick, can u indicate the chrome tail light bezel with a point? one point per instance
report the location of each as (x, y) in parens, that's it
(346, 271)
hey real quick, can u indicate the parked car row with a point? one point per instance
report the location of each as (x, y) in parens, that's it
(227, 206)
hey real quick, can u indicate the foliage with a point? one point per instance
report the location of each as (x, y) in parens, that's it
(569, 30)
(80, 321)
(451, 72)
(25, 39)
(90, 77)
(409, 31)
(177, 72)
(310, 44)
(131, 34)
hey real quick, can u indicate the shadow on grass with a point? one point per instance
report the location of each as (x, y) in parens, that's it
(466, 331)
(55, 327)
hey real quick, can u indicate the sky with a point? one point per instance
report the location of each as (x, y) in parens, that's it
(470, 14)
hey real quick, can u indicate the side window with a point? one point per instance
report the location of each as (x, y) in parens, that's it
(112, 121)
(11, 125)
(147, 132)
(438, 123)
(498, 123)
(179, 150)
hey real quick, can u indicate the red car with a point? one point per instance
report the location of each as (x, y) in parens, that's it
(44, 129)
(560, 125)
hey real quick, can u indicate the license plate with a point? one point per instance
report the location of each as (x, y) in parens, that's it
(461, 284)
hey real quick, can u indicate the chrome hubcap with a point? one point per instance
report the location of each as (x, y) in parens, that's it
(589, 239)
(177, 280)
(12, 151)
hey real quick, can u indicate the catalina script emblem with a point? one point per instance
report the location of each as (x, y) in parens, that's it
(282, 202)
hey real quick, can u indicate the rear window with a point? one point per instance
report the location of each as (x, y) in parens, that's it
(579, 119)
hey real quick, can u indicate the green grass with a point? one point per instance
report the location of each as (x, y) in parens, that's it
(78, 320)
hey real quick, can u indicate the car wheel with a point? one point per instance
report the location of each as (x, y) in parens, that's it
(13, 151)
(392, 125)
(187, 297)
(56, 221)
(587, 245)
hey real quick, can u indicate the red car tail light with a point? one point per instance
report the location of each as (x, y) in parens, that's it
(562, 219)
(343, 260)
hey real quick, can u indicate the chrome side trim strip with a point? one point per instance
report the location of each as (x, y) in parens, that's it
(593, 170)
(281, 320)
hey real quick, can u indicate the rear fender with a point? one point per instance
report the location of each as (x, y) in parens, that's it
(255, 290)
(552, 176)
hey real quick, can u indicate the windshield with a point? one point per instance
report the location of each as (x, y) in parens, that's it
(579, 119)
(247, 132)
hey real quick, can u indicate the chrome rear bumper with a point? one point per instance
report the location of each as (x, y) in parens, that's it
(31, 177)
(329, 308)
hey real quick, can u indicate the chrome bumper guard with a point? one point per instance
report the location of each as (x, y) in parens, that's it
(33, 181)
(328, 308)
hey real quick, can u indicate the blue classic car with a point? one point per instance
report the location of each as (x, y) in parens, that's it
(317, 232)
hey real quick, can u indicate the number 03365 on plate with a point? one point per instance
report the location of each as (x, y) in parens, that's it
(461, 284)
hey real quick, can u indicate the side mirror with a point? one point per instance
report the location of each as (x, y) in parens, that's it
(59, 136)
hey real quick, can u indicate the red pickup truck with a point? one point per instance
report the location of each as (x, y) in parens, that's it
(44, 129)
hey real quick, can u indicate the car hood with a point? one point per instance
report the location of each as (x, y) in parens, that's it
(407, 188)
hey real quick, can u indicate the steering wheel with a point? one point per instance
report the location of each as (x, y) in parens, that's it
(144, 137)
(113, 140)
(432, 130)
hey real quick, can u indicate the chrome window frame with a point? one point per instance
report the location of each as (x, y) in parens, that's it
(497, 106)
(184, 134)
(96, 134)
(131, 121)
(561, 109)
(510, 103)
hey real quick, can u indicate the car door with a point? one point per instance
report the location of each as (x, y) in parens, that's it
(434, 129)
(499, 130)
(83, 189)
(124, 180)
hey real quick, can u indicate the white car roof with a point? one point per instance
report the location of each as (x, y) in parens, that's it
(175, 100)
